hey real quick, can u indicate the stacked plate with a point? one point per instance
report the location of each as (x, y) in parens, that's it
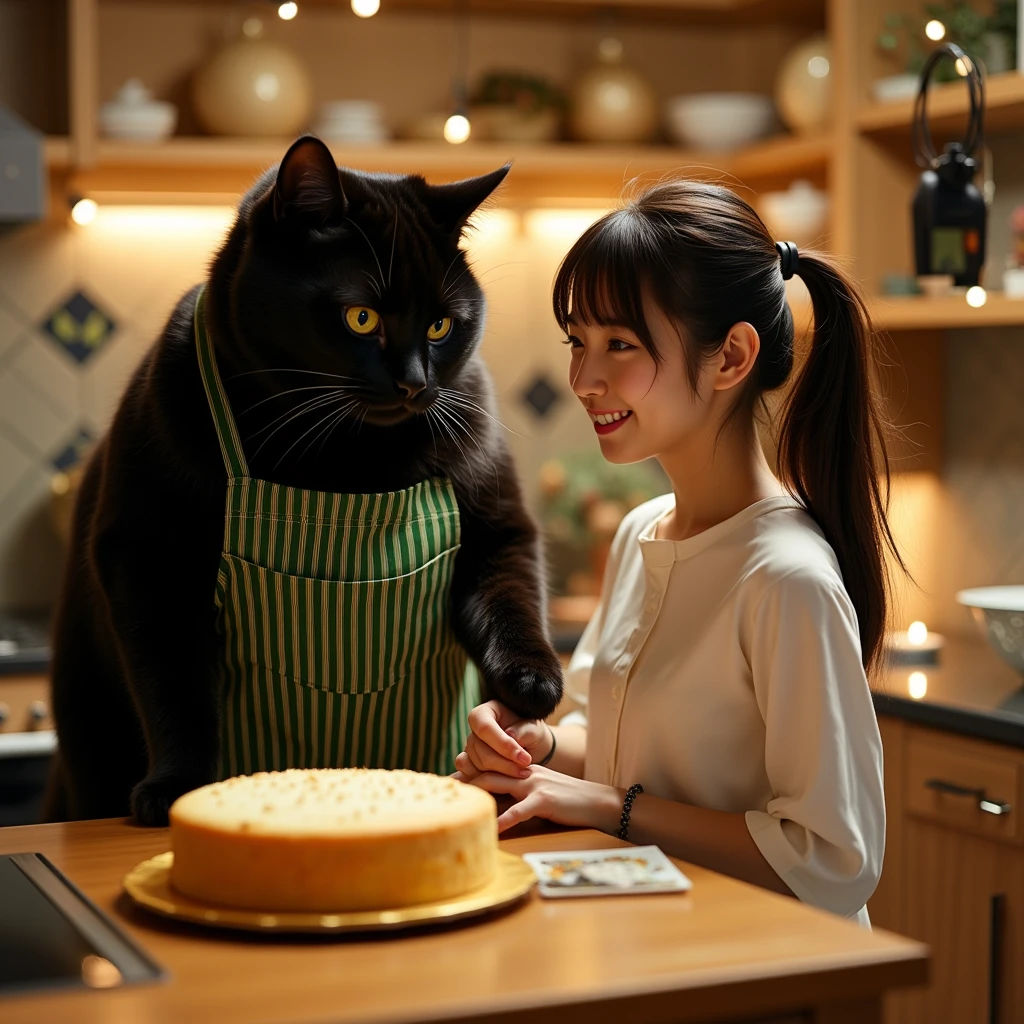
(356, 121)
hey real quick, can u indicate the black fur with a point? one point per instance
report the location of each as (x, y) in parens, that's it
(136, 686)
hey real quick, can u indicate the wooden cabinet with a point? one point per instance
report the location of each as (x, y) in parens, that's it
(954, 873)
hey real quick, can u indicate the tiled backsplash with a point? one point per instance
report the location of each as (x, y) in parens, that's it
(61, 376)
(80, 305)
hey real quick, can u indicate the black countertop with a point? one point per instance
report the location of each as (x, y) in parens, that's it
(971, 691)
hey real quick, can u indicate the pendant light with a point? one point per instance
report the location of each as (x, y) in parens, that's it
(457, 128)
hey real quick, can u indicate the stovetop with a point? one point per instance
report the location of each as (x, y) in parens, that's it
(24, 643)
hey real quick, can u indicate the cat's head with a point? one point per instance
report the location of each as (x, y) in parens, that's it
(359, 275)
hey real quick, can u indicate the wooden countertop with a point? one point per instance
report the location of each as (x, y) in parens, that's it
(726, 949)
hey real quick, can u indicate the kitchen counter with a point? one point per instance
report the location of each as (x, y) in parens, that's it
(970, 691)
(727, 951)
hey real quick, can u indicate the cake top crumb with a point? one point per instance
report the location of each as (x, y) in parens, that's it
(332, 802)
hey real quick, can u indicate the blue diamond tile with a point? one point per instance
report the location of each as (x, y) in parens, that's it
(540, 395)
(79, 326)
(74, 451)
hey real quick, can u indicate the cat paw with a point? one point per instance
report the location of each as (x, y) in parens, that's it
(153, 796)
(530, 691)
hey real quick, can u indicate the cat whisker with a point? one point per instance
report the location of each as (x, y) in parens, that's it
(448, 271)
(373, 283)
(305, 406)
(311, 406)
(339, 416)
(301, 437)
(330, 421)
(374, 251)
(292, 369)
(290, 391)
(455, 280)
(461, 398)
(394, 238)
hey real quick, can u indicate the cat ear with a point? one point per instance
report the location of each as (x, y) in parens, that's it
(452, 205)
(308, 185)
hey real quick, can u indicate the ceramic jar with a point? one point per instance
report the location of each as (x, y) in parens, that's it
(611, 102)
(803, 85)
(253, 87)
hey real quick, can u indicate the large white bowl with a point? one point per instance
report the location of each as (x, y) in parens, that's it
(999, 613)
(719, 120)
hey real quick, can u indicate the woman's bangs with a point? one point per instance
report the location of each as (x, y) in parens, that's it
(600, 281)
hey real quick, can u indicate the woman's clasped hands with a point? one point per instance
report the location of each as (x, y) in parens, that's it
(501, 757)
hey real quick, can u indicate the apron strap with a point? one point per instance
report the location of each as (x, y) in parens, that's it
(223, 421)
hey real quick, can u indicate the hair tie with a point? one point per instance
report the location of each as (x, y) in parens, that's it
(789, 258)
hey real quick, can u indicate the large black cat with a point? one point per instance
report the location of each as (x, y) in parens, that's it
(137, 674)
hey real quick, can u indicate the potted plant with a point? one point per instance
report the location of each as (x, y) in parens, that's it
(990, 37)
(509, 106)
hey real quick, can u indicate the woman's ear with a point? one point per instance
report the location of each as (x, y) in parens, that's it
(737, 356)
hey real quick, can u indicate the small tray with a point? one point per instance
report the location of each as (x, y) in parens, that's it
(149, 884)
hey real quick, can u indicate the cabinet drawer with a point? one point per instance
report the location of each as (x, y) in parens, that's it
(24, 703)
(965, 785)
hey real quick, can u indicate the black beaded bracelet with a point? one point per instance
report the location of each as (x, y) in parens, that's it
(627, 805)
(554, 743)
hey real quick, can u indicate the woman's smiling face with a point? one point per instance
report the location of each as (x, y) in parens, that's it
(639, 408)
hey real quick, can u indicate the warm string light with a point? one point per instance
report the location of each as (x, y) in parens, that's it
(457, 129)
(365, 8)
(976, 296)
(287, 11)
(917, 633)
(917, 685)
(935, 30)
(84, 211)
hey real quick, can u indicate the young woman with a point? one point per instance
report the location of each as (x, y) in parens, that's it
(729, 718)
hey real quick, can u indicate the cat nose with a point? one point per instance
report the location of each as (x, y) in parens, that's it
(411, 388)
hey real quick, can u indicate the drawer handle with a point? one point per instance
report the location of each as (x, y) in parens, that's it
(996, 807)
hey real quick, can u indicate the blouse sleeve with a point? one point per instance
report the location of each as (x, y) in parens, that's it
(824, 829)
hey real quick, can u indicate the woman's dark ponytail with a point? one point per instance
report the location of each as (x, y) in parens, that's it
(832, 443)
(708, 261)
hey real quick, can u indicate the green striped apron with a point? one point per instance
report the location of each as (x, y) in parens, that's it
(334, 620)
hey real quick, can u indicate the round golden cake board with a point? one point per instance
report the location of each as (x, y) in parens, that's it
(149, 884)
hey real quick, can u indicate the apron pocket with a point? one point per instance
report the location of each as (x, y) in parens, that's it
(337, 636)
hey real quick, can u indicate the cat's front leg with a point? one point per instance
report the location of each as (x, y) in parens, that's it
(157, 568)
(499, 605)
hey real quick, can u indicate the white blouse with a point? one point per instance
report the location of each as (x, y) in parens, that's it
(724, 671)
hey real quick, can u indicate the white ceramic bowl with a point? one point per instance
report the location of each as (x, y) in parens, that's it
(149, 123)
(719, 120)
(796, 215)
(999, 613)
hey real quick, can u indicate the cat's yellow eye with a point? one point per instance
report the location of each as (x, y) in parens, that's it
(439, 329)
(362, 319)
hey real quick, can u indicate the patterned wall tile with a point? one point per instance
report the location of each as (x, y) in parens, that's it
(31, 553)
(76, 448)
(15, 462)
(540, 395)
(48, 370)
(12, 329)
(39, 421)
(79, 326)
(38, 268)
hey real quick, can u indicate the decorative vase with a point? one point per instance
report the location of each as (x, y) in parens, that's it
(803, 85)
(611, 102)
(253, 87)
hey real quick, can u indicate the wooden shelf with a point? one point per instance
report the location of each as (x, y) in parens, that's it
(218, 165)
(948, 107)
(891, 313)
